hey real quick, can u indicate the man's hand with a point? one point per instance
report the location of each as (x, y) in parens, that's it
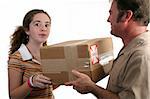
(83, 84)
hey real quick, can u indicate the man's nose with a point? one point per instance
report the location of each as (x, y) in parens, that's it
(108, 20)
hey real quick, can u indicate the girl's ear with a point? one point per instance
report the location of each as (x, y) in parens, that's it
(26, 31)
(127, 16)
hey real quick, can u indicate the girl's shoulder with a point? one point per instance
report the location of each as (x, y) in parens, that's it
(15, 55)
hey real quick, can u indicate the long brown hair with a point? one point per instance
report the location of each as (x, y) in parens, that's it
(19, 36)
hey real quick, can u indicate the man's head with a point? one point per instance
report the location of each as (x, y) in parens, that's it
(140, 9)
(125, 13)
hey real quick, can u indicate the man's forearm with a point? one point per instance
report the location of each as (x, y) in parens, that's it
(102, 93)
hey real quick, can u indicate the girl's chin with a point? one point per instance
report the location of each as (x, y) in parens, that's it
(41, 42)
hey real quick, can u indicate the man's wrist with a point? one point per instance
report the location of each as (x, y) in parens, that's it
(95, 90)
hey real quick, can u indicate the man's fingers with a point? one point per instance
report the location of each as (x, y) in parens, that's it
(79, 77)
(70, 83)
(77, 74)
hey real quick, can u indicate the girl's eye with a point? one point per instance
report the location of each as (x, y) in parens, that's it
(36, 24)
(47, 25)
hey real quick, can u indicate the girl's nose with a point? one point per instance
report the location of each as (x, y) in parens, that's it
(43, 27)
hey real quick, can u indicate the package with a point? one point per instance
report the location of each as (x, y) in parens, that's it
(89, 56)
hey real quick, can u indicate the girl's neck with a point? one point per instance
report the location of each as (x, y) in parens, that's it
(34, 50)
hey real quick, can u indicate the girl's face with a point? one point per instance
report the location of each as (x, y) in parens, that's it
(39, 28)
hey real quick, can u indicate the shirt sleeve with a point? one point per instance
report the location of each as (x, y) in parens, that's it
(14, 62)
(135, 81)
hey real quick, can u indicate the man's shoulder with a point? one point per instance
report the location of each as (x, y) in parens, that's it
(142, 51)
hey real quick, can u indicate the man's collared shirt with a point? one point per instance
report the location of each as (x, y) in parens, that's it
(130, 75)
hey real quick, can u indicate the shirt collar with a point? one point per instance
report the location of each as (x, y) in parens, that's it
(137, 41)
(25, 54)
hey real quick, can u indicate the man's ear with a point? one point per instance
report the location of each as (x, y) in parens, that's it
(127, 16)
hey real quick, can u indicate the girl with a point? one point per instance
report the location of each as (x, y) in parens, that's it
(26, 80)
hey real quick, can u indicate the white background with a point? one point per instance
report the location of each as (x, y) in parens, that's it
(71, 19)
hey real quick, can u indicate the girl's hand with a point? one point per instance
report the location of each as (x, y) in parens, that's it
(40, 81)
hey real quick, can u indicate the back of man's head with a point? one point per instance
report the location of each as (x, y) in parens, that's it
(140, 9)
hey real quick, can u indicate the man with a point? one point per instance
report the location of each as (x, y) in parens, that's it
(129, 76)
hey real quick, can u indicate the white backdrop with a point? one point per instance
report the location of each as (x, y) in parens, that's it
(71, 19)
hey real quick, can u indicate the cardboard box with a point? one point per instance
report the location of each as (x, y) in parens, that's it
(87, 56)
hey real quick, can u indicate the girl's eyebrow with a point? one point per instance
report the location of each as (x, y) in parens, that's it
(36, 21)
(40, 21)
